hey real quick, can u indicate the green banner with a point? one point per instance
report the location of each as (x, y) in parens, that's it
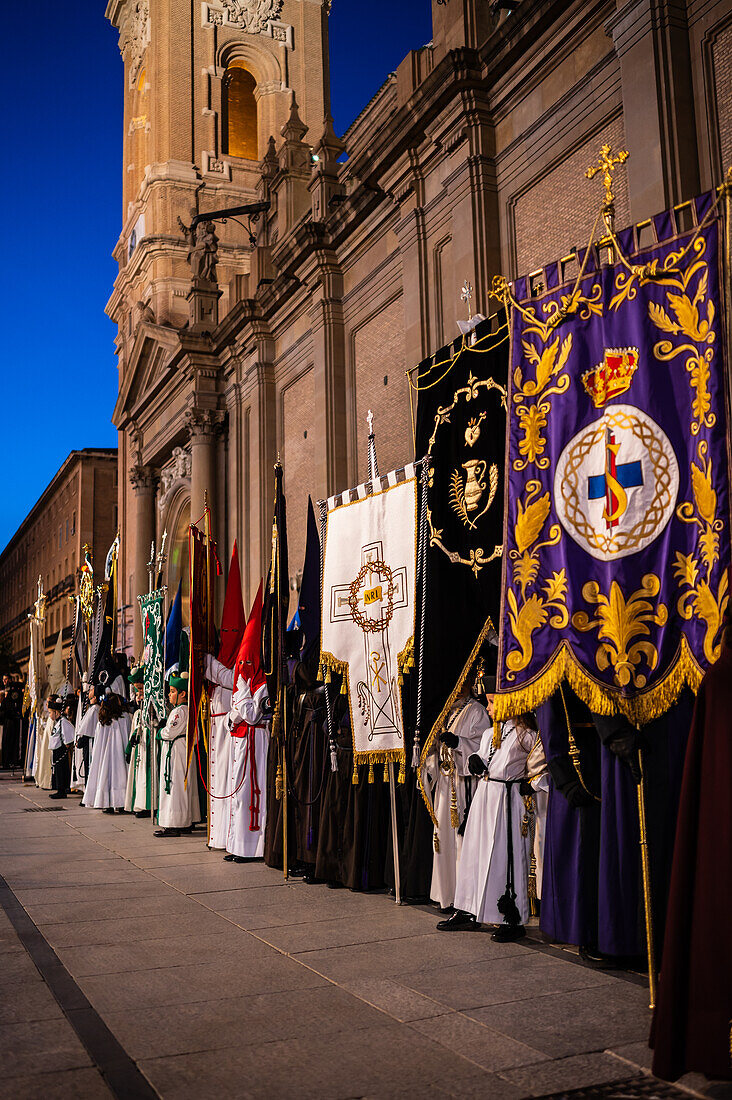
(151, 610)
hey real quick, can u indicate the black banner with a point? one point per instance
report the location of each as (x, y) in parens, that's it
(461, 425)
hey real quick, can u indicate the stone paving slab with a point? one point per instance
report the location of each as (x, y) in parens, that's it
(223, 980)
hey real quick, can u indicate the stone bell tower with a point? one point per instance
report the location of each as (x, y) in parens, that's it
(205, 86)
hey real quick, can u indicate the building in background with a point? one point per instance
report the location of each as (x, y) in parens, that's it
(468, 161)
(79, 507)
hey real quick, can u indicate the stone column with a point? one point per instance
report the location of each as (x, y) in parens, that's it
(143, 480)
(204, 426)
(651, 40)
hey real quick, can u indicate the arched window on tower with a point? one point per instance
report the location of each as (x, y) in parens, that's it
(239, 113)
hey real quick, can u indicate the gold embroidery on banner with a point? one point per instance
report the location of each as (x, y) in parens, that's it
(533, 612)
(465, 496)
(699, 598)
(466, 492)
(619, 622)
(614, 540)
(691, 316)
(531, 397)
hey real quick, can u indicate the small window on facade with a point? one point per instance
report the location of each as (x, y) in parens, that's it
(73, 524)
(239, 113)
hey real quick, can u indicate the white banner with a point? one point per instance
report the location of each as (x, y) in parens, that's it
(369, 607)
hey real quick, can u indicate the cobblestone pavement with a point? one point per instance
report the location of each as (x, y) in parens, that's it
(139, 967)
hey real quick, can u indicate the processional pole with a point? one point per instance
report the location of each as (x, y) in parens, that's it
(373, 477)
(605, 167)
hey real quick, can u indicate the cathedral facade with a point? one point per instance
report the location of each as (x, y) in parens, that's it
(245, 339)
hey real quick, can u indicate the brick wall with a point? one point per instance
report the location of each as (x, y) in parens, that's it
(722, 58)
(559, 210)
(381, 385)
(298, 408)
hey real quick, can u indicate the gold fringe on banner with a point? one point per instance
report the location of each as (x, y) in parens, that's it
(437, 727)
(330, 664)
(639, 709)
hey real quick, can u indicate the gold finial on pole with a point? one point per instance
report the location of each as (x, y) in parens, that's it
(607, 164)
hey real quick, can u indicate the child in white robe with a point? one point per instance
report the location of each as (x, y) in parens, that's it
(178, 807)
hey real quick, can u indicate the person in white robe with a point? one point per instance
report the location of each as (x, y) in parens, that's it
(137, 795)
(220, 752)
(178, 807)
(248, 721)
(61, 741)
(107, 782)
(42, 759)
(493, 877)
(452, 787)
(86, 728)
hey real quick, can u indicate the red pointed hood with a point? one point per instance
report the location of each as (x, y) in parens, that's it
(233, 620)
(249, 658)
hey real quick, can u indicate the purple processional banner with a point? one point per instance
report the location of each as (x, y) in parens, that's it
(616, 534)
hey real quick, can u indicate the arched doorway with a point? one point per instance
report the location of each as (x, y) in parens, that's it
(178, 556)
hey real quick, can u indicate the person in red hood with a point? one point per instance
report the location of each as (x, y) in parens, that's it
(220, 675)
(248, 721)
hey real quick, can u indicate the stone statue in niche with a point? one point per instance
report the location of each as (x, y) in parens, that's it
(203, 249)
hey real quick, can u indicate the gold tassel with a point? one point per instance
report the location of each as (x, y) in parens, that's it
(386, 773)
(436, 841)
(354, 777)
(402, 771)
(454, 816)
(371, 771)
(496, 734)
(278, 783)
(344, 687)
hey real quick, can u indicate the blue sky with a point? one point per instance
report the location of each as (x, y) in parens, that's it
(61, 193)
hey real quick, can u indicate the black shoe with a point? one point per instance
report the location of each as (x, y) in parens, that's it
(241, 859)
(459, 922)
(109, 810)
(58, 794)
(507, 933)
(142, 813)
(229, 858)
(310, 879)
(595, 958)
(167, 832)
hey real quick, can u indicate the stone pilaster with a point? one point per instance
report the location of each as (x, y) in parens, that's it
(144, 482)
(651, 39)
(204, 427)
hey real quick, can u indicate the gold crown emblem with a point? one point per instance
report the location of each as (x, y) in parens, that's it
(611, 377)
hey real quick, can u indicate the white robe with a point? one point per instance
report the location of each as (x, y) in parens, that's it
(481, 878)
(178, 807)
(107, 782)
(130, 788)
(220, 752)
(42, 759)
(140, 768)
(78, 779)
(243, 839)
(468, 722)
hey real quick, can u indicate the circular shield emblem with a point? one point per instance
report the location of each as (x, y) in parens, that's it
(616, 483)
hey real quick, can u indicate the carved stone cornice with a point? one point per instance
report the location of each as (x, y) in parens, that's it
(143, 479)
(134, 35)
(204, 425)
